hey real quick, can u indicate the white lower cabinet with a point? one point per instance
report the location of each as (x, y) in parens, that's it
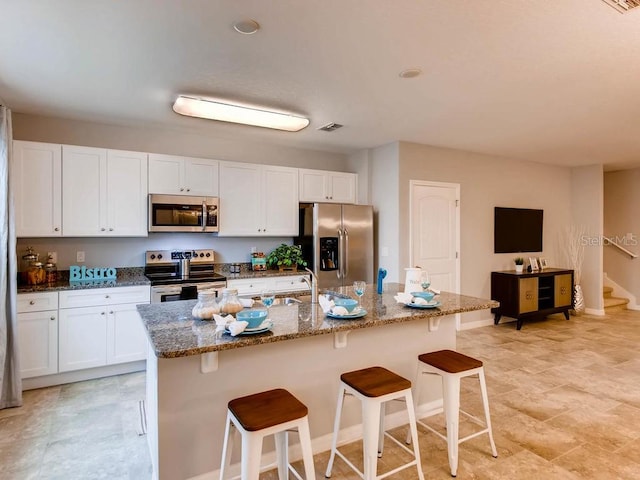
(38, 334)
(107, 332)
(279, 284)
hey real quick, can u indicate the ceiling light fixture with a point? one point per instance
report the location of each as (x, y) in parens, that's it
(225, 112)
(623, 6)
(410, 73)
(246, 27)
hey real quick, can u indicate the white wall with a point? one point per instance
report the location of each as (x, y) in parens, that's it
(587, 198)
(621, 207)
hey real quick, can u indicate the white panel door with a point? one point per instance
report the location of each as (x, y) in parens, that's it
(280, 203)
(435, 232)
(312, 185)
(82, 338)
(38, 340)
(166, 174)
(126, 193)
(126, 336)
(37, 182)
(342, 187)
(83, 191)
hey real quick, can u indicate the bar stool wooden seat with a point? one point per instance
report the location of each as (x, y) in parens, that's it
(373, 387)
(256, 416)
(451, 366)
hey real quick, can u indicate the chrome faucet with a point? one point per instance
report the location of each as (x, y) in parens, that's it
(313, 285)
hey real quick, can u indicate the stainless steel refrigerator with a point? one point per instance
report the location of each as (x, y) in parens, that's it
(337, 242)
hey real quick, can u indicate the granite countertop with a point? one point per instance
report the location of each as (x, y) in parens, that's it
(175, 333)
(125, 277)
(262, 274)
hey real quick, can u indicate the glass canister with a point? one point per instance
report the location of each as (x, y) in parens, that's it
(51, 271)
(230, 303)
(206, 306)
(28, 259)
(36, 274)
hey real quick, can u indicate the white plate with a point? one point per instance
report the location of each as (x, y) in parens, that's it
(253, 331)
(360, 313)
(428, 305)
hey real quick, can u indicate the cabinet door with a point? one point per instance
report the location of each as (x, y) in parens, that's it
(201, 177)
(280, 202)
(528, 292)
(37, 302)
(104, 296)
(83, 338)
(312, 185)
(166, 174)
(38, 341)
(240, 199)
(126, 336)
(563, 290)
(126, 193)
(37, 181)
(342, 187)
(83, 191)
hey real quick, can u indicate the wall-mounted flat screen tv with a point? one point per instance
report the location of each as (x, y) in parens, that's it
(517, 230)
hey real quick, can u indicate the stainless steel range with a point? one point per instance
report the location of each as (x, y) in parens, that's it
(180, 274)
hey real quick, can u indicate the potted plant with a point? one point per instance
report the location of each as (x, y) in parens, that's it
(286, 257)
(519, 261)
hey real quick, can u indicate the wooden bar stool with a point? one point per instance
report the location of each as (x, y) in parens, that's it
(373, 387)
(452, 366)
(273, 412)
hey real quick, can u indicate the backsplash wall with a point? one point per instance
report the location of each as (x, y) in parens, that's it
(129, 252)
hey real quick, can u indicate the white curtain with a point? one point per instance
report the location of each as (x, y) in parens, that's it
(10, 382)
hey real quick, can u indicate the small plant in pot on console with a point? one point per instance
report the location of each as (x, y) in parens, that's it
(286, 257)
(519, 261)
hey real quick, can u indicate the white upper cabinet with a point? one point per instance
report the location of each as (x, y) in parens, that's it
(258, 200)
(173, 175)
(104, 192)
(325, 186)
(36, 181)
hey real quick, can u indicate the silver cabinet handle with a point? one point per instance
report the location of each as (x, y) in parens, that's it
(103, 313)
(111, 229)
(106, 296)
(188, 189)
(111, 312)
(31, 302)
(181, 189)
(102, 229)
(52, 318)
(56, 229)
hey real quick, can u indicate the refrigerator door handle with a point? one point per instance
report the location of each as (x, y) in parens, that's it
(340, 270)
(345, 254)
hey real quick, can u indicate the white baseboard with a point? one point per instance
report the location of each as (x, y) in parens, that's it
(595, 311)
(81, 375)
(323, 443)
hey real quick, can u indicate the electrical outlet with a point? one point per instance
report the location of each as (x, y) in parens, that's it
(79, 256)
(53, 256)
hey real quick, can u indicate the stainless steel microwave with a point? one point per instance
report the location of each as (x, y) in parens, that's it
(183, 213)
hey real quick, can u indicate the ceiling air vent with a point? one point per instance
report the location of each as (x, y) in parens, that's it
(623, 5)
(330, 127)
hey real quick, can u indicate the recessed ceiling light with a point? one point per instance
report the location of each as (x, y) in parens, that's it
(226, 112)
(246, 27)
(410, 73)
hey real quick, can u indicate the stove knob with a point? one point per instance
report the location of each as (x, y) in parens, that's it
(159, 256)
(208, 254)
(152, 256)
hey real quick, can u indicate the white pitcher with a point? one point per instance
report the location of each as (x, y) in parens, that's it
(412, 281)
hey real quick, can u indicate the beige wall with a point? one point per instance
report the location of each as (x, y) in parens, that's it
(485, 182)
(621, 217)
(587, 210)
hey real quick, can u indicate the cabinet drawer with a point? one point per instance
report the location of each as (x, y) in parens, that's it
(250, 286)
(37, 302)
(528, 291)
(105, 296)
(563, 290)
(290, 284)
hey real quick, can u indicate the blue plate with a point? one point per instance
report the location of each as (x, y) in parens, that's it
(360, 313)
(416, 305)
(252, 331)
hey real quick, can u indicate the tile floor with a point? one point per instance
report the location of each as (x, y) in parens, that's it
(565, 404)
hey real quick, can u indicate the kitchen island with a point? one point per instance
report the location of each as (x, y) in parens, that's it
(193, 371)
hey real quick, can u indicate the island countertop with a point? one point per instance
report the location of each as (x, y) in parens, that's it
(173, 332)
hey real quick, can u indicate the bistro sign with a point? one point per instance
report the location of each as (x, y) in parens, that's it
(79, 274)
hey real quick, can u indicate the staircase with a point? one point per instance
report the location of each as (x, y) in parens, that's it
(613, 304)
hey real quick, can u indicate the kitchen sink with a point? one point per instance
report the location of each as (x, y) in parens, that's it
(292, 300)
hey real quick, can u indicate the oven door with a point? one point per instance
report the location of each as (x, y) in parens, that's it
(182, 213)
(184, 291)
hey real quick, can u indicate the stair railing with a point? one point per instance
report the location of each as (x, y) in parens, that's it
(610, 241)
